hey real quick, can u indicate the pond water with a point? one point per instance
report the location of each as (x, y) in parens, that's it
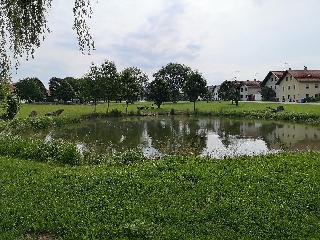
(214, 137)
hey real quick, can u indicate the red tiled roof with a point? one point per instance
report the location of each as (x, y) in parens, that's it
(278, 74)
(255, 84)
(303, 75)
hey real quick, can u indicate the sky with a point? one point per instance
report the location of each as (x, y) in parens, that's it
(222, 39)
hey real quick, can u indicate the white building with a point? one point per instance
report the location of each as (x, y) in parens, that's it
(271, 81)
(250, 90)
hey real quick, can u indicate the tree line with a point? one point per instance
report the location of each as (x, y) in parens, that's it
(171, 83)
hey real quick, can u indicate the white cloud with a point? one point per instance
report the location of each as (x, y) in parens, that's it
(217, 37)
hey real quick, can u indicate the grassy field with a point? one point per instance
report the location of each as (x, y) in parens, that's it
(214, 107)
(269, 197)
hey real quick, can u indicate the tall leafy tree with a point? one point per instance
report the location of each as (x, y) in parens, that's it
(31, 89)
(103, 82)
(230, 91)
(61, 89)
(24, 25)
(175, 75)
(159, 91)
(75, 84)
(195, 87)
(132, 84)
(268, 94)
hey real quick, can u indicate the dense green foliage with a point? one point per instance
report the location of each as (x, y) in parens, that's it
(132, 85)
(29, 149)
(267, 197)
(195, 87)
(61, 89)
(11, 107)
(31, 89)
(158, 91)
(268, 94)
(174, 75)
(230, 91)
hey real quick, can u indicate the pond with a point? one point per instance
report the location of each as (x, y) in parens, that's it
(214, 137)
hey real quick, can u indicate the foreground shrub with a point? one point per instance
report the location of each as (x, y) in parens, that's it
(130, 156)
(55, 151)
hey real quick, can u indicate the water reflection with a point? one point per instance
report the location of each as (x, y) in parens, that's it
(213, 137)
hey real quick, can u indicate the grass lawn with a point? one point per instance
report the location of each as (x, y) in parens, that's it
(78, 110)
(269, 197)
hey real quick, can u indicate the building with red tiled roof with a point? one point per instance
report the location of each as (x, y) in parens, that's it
(271, 81)
(299, 85)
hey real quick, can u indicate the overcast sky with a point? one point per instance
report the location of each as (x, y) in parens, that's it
(220, 38)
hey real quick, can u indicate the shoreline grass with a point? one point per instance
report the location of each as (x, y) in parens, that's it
(308, 113)
(264, 197)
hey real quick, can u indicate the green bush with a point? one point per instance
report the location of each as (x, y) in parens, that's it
(130, 156)
(29, 149)
(115, 113)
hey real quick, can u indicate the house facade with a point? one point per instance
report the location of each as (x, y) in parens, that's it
(299, 85)
(271, 81)
(250, 90)
(216, 93)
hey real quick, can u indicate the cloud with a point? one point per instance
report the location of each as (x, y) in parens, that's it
(216, 37)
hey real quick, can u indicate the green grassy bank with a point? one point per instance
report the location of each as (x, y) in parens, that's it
(307, 113)
(181, 107)
(267, 197)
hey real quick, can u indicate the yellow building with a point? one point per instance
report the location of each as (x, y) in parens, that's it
(298, 85)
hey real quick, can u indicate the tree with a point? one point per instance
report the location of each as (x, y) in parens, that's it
(76, 86)
(158, 91)
(31, 89)
(23, 25)
(268, 94)
(195, 87)
(103, 82)
(5, 88)
(61, 89)
(175, 75)
(133, 82)
(230, 91)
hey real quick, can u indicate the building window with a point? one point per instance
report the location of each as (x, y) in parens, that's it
(287, 78)
(307, 95)
(241, 96)
(246, 89)
(290, 77)
(317, 86)
(289, 87)
(241, 89)
(275, 87)
(283, 88)
(288, 97)
(294, 87)
(307, 86)
(271, 87)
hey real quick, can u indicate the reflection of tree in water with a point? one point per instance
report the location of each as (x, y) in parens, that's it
(172, 136)
(227, 130)
(105, 135)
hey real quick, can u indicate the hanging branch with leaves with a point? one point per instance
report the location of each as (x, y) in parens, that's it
(24, 26)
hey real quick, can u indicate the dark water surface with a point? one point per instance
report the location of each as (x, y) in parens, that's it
(215, 137)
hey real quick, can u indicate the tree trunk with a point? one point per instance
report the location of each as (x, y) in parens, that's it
(108, 106)
(194, 106)
(127, 105)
